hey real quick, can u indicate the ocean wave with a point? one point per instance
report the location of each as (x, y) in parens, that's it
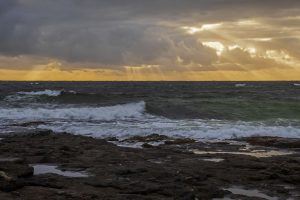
(74, 113)
(24, 96)
(297, 84)
(125, 120)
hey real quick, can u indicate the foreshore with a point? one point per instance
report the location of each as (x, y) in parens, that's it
(87, 168)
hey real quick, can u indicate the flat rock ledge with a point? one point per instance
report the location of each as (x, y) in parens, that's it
(166, 171)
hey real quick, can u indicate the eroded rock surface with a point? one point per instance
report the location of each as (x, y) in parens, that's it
(168, 171)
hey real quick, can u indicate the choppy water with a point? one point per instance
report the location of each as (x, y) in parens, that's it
(201, 110)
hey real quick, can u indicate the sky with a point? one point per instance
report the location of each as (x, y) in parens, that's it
(197, 40)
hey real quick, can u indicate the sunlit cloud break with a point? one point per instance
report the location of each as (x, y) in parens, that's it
(205, 27)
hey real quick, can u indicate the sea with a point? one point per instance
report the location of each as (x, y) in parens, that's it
(198, 110)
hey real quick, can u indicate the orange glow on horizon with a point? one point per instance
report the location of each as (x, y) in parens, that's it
(110, 75)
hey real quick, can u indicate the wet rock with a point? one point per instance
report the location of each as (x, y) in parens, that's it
(143, 188)
(125, 171)
(251, 165)
(4, 176)
(221, 143)
(65, 148)
(274, 142)
(8, 186)
(16, 169)
(8, 183)
(293, 179)
(148, 138)
(109, 183)
(48, 181)
(163, 172)
(100, 183)
(112, 139)
(146, 145)
(36, 123)
(13, 160)
(180, 141)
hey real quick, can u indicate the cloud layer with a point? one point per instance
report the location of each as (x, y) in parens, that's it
(164, 35)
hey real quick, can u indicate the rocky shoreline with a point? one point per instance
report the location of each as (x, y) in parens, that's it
(161, 168)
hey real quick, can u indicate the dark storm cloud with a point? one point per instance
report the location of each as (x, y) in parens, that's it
(122, 32)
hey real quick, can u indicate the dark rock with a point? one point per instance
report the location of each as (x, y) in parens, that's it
(180, 141)
(13, 160)
(144, 188)
(146, 145)
(16, 169)
(125, 171)
(293, 179)
(274, 142)
(133, 173)
(8, 183)
(108, 183)
(36, 123)
(65, 148)
(112, 139)
(148, 138)
(8, 186)
(45, 184)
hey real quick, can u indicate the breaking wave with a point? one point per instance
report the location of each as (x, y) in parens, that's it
(196, 129)
(74, 113)
(23, 96)
(51, 93)
(125, 120)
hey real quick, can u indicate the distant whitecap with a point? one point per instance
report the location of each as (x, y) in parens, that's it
(240, 85)
(44, 92)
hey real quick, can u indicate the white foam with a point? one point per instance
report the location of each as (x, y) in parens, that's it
(52, 93)
(297, 84)
(29, 96)
(264, 154)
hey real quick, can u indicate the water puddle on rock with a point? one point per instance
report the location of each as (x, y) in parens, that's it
(249, 193)
(53, 169)
(257, 154)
